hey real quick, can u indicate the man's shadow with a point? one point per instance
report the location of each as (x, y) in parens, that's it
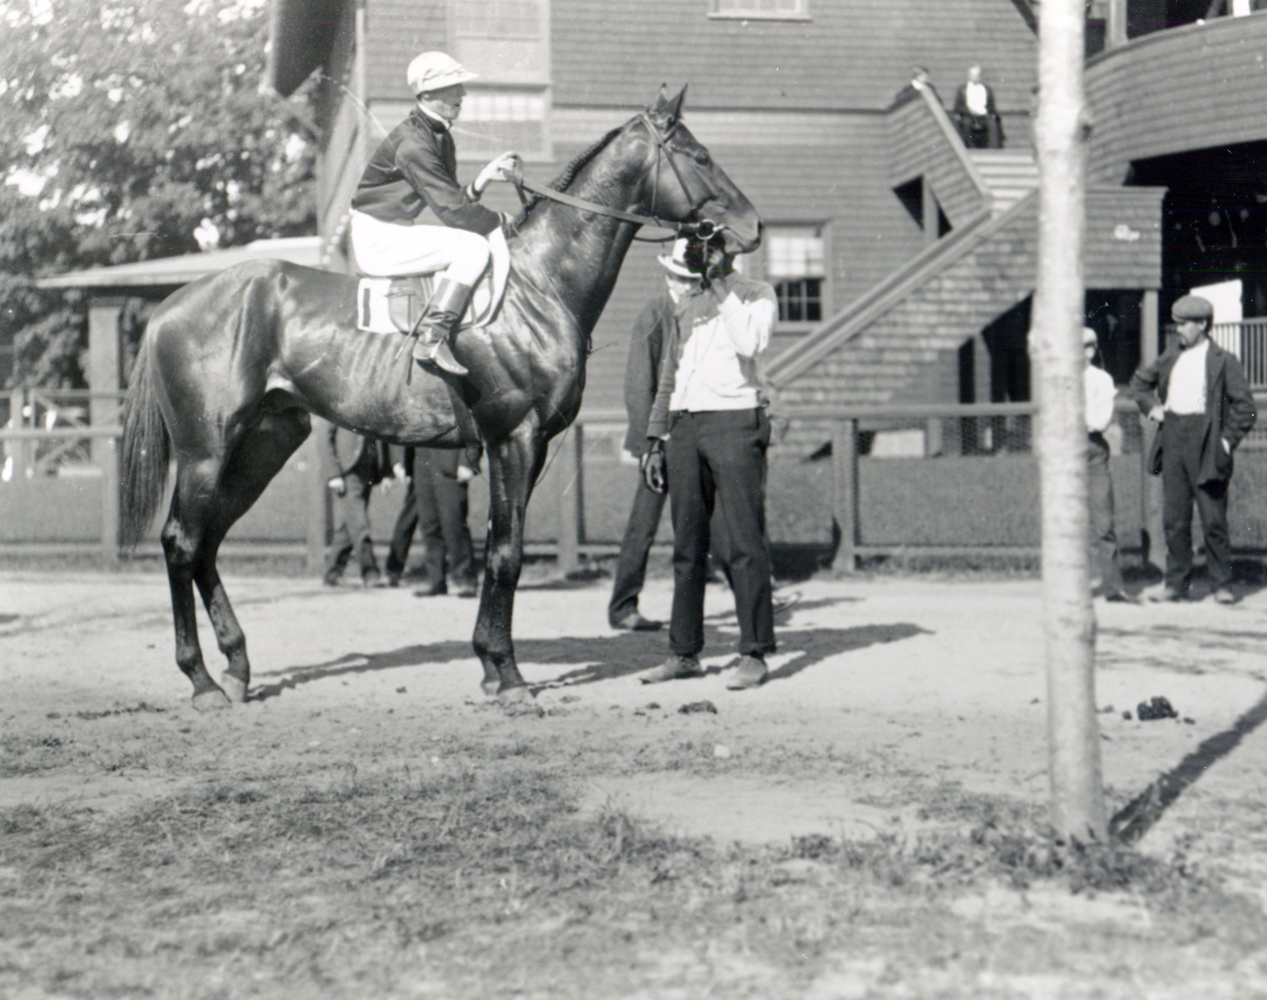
(598, 658)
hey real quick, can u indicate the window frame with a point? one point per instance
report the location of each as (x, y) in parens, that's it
(714, 12)
(762, 269)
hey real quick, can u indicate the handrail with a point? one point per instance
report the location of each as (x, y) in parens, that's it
(953, 137)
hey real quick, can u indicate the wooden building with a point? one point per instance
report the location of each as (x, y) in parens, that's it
(904, 261)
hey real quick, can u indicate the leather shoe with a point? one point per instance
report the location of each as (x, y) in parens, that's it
(751, 672)
(673, 669)
(634, 622)
(1224, 595)
(1120, 597)
(467, 588)
(436, 590)
(1170, 594)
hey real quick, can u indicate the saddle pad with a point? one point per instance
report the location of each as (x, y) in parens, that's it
(373, 313)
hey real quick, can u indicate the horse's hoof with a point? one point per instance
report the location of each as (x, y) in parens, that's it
(518, 694)
(489, 687)
(210, 701)
(234, 689)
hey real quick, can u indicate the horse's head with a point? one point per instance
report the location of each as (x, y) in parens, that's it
(687, 186)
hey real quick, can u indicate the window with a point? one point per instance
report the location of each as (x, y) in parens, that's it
(795, 266)
(495, 119)
(774, 10)
(507, 42)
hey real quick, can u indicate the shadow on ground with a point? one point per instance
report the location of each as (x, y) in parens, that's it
(1139, 815)
(598, 658)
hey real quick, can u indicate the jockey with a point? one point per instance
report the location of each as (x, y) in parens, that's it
(415, 168)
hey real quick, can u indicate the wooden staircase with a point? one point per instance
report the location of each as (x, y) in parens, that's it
(1009, 175)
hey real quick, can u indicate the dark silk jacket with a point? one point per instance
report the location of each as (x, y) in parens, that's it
(415, 168)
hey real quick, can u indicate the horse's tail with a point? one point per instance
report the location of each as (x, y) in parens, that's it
(146, 453)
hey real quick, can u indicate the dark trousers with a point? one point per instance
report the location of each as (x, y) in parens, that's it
(1100, 511)
(716, 461)
(403, 533)
(1182, 438)
(352, 528)
(635, 549)
(443, 508)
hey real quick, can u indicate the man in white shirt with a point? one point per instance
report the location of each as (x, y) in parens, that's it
(976, 115)
(1200, 396)
(1101, 395)
(707, 436)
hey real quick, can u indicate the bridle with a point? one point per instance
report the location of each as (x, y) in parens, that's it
(704, 229)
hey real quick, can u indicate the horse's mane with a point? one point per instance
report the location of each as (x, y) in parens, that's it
(568, 174)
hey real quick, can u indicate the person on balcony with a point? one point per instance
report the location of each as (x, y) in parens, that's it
(1199, 394)
(976, 115)
(413, 169)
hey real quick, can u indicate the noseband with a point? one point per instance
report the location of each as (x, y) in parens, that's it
(705, 228)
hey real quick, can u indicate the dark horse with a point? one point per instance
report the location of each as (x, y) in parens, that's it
(232, 365)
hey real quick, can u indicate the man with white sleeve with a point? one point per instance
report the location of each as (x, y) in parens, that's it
(708, 436)
(1101, 395)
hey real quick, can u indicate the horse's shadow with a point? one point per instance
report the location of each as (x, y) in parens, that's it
(598, 658)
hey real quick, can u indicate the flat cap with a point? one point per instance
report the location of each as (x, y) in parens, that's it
(1192, 307)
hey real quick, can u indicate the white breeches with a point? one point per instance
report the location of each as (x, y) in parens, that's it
(383, 249)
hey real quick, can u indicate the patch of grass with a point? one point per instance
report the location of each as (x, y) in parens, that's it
(479, 880)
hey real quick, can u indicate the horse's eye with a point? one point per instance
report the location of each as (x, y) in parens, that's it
(702, 158)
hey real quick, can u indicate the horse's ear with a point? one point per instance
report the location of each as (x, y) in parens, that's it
(675, 105)
(670, 109)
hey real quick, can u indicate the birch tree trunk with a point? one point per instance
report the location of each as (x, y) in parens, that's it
(1073, 735)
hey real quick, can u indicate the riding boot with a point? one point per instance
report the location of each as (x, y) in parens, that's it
(437, 324)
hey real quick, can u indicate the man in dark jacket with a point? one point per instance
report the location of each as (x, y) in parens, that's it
(358, 463)
(1201, 398)
(413, 169)
(976, 115)
(642, 377)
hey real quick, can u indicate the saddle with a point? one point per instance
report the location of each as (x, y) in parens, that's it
(390, 305)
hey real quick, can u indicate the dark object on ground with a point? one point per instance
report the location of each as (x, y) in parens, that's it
(690, 708)
(1158, 708)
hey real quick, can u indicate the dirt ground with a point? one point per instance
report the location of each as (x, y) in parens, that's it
(887, 696)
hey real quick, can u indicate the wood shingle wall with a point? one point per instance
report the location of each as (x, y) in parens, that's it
(1195, 87)
(920, 147)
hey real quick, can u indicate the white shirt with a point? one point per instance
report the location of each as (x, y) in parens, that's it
(1185, 393)
(721, 346)
(974, 95)
(1101, 394)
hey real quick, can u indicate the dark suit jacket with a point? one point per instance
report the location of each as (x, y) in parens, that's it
(351, 453)
(1229, 407)
(642, 371)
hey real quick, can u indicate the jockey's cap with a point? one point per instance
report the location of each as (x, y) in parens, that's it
(435, 71)
(675, 260)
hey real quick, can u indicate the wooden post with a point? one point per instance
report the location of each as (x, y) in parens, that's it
(1073, 734)
(1153, 539)
(571, 508)
(318, 505)
(1115, 34)
(844, 489)
(103, 411)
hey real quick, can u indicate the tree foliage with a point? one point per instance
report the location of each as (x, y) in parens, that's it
(125, 128)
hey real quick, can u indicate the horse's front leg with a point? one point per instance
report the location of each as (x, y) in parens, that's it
(513, 466)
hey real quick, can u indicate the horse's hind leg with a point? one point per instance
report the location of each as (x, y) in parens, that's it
(210, 497)
(256, 459)
(182, 538)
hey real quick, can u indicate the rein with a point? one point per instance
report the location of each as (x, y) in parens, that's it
(705, 228)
